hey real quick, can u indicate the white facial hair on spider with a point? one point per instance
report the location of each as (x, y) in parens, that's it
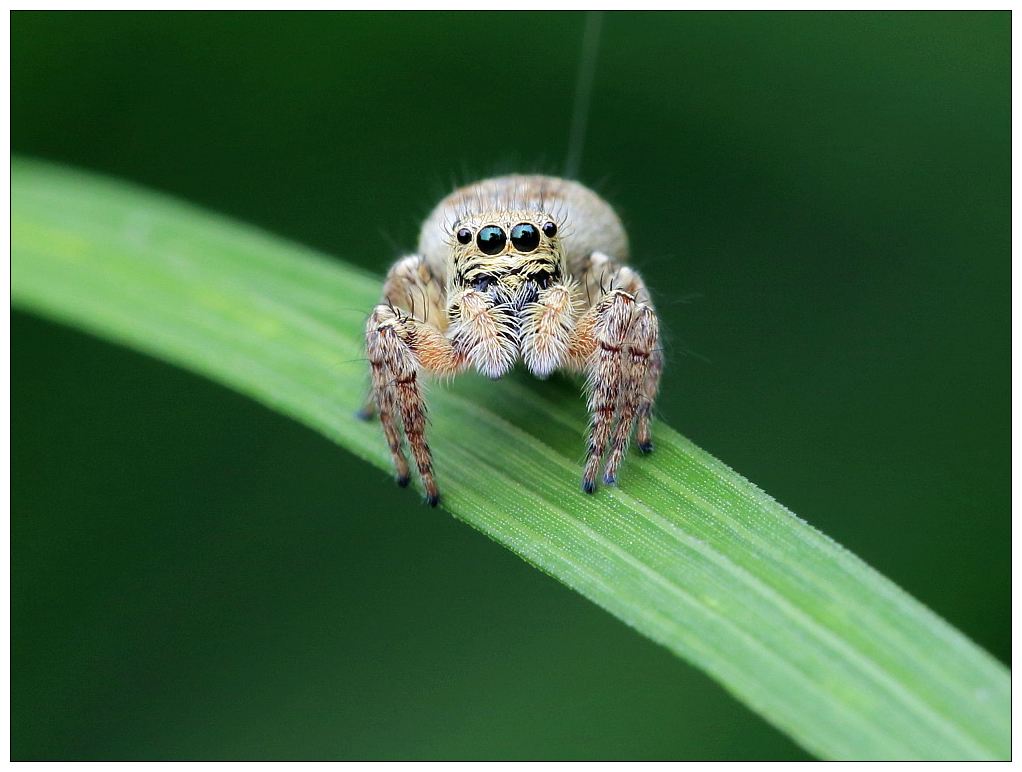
(497, 300)
(487, 332)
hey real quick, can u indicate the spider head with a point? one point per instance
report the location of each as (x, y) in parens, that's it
(501, 264)
(509, 257)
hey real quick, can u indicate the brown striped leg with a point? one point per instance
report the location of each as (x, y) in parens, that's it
(403, 340)
(612, 316)
(384, 347)
(642, 339)
(615, 343)
(650, 385)
(400, 347)
(413, 416)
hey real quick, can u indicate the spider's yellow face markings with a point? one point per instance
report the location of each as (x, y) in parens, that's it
(508, 256)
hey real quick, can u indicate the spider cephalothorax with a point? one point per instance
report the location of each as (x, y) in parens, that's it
(505, 267)
(500, 276)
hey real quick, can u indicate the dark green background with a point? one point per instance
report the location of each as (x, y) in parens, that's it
(821, 205)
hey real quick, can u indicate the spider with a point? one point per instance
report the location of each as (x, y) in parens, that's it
(517, 267)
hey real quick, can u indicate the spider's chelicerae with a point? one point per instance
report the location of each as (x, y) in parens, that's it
(518, 267)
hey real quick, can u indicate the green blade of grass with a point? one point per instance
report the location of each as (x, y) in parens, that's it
(685, 550)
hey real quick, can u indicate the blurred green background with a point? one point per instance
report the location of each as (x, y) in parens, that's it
(821, 205)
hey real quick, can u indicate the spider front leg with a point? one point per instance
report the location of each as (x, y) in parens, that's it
(399, 346)
(547, 328)
(616, 343)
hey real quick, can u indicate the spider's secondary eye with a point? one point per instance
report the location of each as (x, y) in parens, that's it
(550, 230)
(464, 236)
(491, 239)
(525, 237)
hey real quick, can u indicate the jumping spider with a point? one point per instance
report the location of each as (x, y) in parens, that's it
(526, 267)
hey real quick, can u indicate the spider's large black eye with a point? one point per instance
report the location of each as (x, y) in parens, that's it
(525, 237)
(464, 236)
(491, 239)
(550, 230)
